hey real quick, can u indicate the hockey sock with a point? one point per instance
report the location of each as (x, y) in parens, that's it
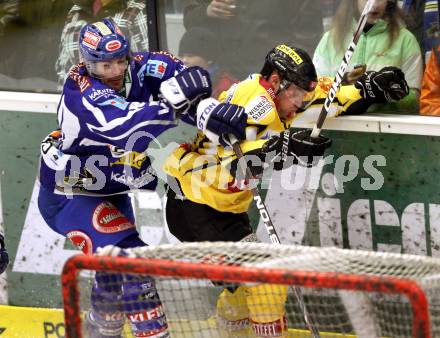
(143, 307)
(106, 299)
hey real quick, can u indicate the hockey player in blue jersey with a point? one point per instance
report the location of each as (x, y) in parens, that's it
(112, 106)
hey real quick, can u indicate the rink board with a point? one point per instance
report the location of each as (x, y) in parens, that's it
(27, 322)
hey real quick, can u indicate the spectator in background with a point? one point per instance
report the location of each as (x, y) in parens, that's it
(384, 42)
(28, 29)
(197, 47)
(430, 96)
(328, 9)
(8, 13)
(245, 30)
(130, 16)
(423, 21)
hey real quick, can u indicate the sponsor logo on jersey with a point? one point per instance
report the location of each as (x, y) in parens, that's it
(152, 68)
(118, 102)
(108, 219)
(259, 107)
(232, 325)
(271, 92)
(91, 40)
(146, 176)
(143, 316)
(271, 329)
(155, 68)
(133, 159)
(113, 45)
(81, 240)
(292, 54)
(112, 316)
(98, 93)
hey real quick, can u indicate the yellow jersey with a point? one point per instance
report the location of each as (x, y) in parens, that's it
(203, 168)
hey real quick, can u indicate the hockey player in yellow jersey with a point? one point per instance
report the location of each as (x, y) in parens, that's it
(207, 198)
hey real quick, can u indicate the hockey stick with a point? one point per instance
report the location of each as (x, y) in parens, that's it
(341, 70)
(272, 233)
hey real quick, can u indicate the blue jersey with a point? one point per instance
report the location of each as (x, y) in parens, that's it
(104, 134)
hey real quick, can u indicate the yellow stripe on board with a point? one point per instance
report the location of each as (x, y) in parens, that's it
(28, 322)
(293, 333)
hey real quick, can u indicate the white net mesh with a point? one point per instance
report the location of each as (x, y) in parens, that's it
(197, 307)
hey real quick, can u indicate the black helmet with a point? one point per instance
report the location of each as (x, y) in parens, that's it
(294, 66)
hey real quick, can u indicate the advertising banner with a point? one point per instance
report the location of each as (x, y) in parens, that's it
(373, 192)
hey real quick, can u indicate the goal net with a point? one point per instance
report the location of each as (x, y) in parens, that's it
(264, 290)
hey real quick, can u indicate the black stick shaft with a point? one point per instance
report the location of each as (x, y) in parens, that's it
(274, 238)
(341, 70)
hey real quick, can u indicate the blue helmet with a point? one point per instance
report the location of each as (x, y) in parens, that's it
(102, 41)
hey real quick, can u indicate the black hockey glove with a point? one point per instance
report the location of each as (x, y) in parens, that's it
(218, 120)
(4, 257)
(295, 147)
(386, 85)
(187, 87)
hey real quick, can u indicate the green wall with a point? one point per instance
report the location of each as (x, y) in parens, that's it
(402, 216)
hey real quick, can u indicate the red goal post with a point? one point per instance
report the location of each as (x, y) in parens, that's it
(189, 261)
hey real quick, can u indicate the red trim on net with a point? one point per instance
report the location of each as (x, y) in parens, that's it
(157, 267)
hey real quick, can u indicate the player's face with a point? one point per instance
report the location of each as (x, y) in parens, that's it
(377, 11)
(112, 72)
(290, 100)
